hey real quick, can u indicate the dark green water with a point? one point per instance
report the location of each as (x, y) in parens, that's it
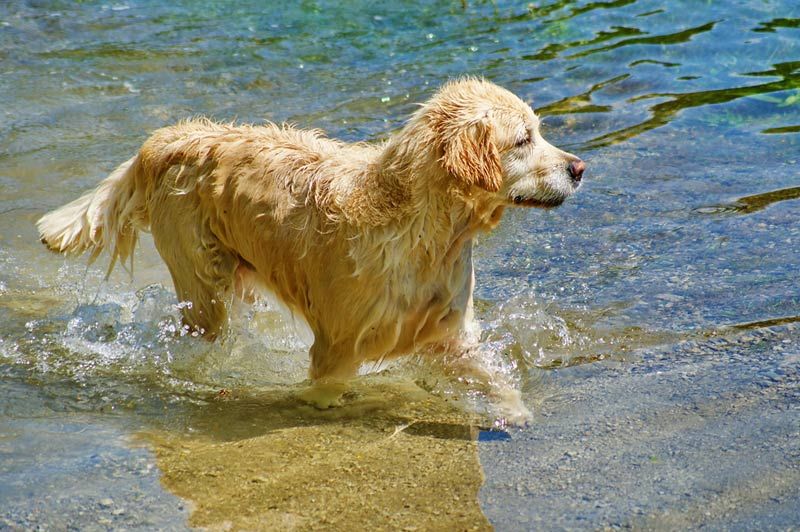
(652, 319)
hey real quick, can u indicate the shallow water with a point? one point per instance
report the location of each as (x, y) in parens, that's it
(652, 321)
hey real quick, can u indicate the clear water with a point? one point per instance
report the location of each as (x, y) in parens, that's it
(679, 256)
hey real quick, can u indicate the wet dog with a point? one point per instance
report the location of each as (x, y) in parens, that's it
(370, 243)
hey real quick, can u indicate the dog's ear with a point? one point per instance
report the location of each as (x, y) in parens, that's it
(471, 155)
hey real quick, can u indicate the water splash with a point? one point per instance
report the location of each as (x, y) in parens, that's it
(135, 337)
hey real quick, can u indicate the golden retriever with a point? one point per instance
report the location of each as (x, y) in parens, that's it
(370, 243)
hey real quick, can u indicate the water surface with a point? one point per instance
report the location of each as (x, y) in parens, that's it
(651, 321)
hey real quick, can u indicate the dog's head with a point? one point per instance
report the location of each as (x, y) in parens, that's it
(488, 138)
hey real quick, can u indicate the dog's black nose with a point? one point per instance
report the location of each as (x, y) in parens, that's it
(576, 169)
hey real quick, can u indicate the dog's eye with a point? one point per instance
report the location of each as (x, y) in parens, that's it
(524, 141)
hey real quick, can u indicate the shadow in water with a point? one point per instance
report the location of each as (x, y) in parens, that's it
(552, 50)
(664, 112)
(781, 130)
(581, 103)
(669, 38)
(541, 11)
(763, 324)
(772, 25)
(262, 460)
(754, 203)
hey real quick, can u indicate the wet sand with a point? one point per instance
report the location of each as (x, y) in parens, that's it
(394, 457)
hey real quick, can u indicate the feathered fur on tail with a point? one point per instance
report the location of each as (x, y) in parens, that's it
(108, 217)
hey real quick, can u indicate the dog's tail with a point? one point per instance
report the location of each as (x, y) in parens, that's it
(108, 217)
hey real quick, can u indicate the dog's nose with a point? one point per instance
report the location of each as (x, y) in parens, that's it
(576, 169)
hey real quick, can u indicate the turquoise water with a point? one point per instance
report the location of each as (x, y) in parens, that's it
(679, 256)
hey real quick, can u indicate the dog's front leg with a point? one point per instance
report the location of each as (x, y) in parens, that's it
(466, 360)
(323, 393)
(331, 368)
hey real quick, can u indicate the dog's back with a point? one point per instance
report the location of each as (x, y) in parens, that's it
(218, 199)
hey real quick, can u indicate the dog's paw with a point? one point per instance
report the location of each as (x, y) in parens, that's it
(519, 418)
(510, 411)
(323, 395)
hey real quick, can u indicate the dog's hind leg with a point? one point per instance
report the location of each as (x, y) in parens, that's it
(202, 268)
(205, 293)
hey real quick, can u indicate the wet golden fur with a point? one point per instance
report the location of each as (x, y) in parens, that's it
(370, 243)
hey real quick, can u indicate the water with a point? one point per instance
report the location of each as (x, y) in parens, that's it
(652, 320)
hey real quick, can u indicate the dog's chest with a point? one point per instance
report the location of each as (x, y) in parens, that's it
(434, 310)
